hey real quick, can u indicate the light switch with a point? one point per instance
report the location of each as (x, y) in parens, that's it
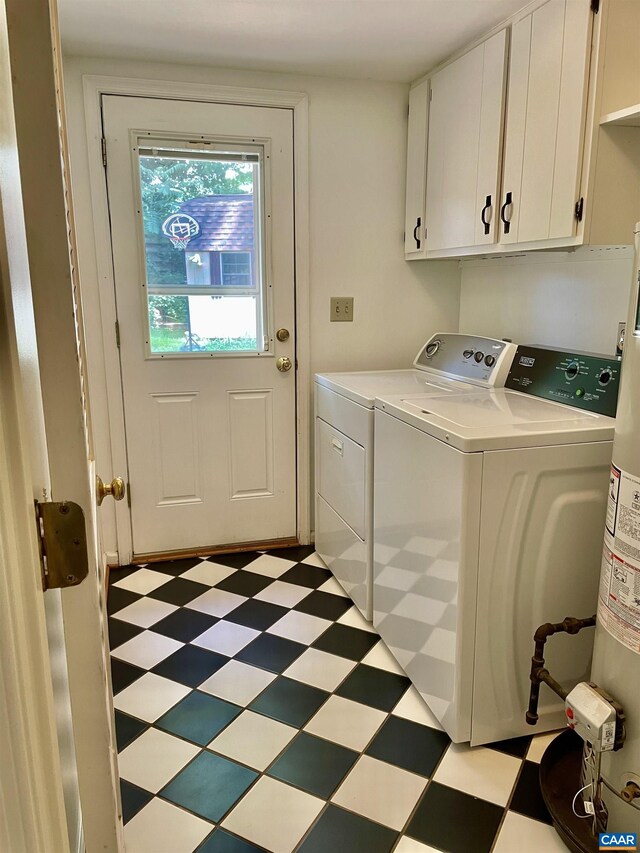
(341, 309)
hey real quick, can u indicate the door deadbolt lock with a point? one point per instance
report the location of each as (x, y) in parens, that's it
(115, 488)
(282, 335)
(284, 364)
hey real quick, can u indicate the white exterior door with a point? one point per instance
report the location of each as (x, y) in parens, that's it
(201, 208)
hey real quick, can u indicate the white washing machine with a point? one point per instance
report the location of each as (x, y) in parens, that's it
(488, 516)
(447, 364)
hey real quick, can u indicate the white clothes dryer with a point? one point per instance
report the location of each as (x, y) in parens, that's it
(488, 516)
(447, 364)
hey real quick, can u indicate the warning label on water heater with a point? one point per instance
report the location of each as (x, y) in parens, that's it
(619, 597)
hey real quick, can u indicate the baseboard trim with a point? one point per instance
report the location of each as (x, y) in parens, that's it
(213, 550)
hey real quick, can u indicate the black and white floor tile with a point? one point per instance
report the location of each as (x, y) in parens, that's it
(257, 711)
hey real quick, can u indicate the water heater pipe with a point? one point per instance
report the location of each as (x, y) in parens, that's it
(569, 625)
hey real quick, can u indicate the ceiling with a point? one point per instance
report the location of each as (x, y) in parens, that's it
(395, 40)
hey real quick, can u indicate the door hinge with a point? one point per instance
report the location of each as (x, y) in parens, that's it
(117, 334)
(579, 209)
(62, 537)
(103, 144)
(595, 6)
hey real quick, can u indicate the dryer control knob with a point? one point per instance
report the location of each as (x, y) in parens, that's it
(479, 356)
(490, 360)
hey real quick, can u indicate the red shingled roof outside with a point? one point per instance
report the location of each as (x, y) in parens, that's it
(226, 222)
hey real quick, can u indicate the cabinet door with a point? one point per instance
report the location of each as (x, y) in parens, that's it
(463, 156)
(545, 121)
(414, 241)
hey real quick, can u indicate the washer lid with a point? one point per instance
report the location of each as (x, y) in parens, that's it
(490, 420)
(364, 386)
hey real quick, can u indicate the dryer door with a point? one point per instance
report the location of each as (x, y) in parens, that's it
(341, 475)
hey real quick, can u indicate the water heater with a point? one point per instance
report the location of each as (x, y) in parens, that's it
(616, 655)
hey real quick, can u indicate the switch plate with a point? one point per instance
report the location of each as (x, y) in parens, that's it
(341, 309)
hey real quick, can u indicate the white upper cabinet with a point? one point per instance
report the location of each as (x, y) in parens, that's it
(463, 150)
(536, 155)
(414, 242)
(544, 133)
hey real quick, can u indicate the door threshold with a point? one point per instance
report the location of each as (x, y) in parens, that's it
(214, 550)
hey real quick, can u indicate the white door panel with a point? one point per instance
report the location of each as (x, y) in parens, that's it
(571, 117)
(210, 434)
(54, 693)
(489, 147)
(515, 127)
(250, 450)
(545, 68)
(414, 242)
(544, 128)
(465, 133)
(175, 429)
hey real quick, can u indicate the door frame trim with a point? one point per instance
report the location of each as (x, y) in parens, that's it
(94, 87)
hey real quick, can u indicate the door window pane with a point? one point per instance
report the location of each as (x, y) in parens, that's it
(202, 226)
(202, 323)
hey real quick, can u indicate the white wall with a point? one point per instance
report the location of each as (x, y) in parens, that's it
(357, 152)
(570, 300)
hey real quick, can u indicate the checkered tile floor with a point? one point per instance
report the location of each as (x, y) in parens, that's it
(257, 711)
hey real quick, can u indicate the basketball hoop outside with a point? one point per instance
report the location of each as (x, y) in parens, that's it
(180, 242)
(180, 228)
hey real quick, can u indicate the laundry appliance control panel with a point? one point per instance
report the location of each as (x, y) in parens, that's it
(586, 381)
(474, 359)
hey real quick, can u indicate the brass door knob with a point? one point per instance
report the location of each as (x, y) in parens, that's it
(115, 488)
(284, 364)
(282, 335)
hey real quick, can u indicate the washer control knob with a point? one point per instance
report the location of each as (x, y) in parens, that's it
(572, 370)
(467, 353)
(478, 356)
(605, 377)
(489, 360)
(432, 348)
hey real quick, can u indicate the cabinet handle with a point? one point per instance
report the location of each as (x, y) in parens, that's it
(415, 232)
(487, 206)
(508, 201)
